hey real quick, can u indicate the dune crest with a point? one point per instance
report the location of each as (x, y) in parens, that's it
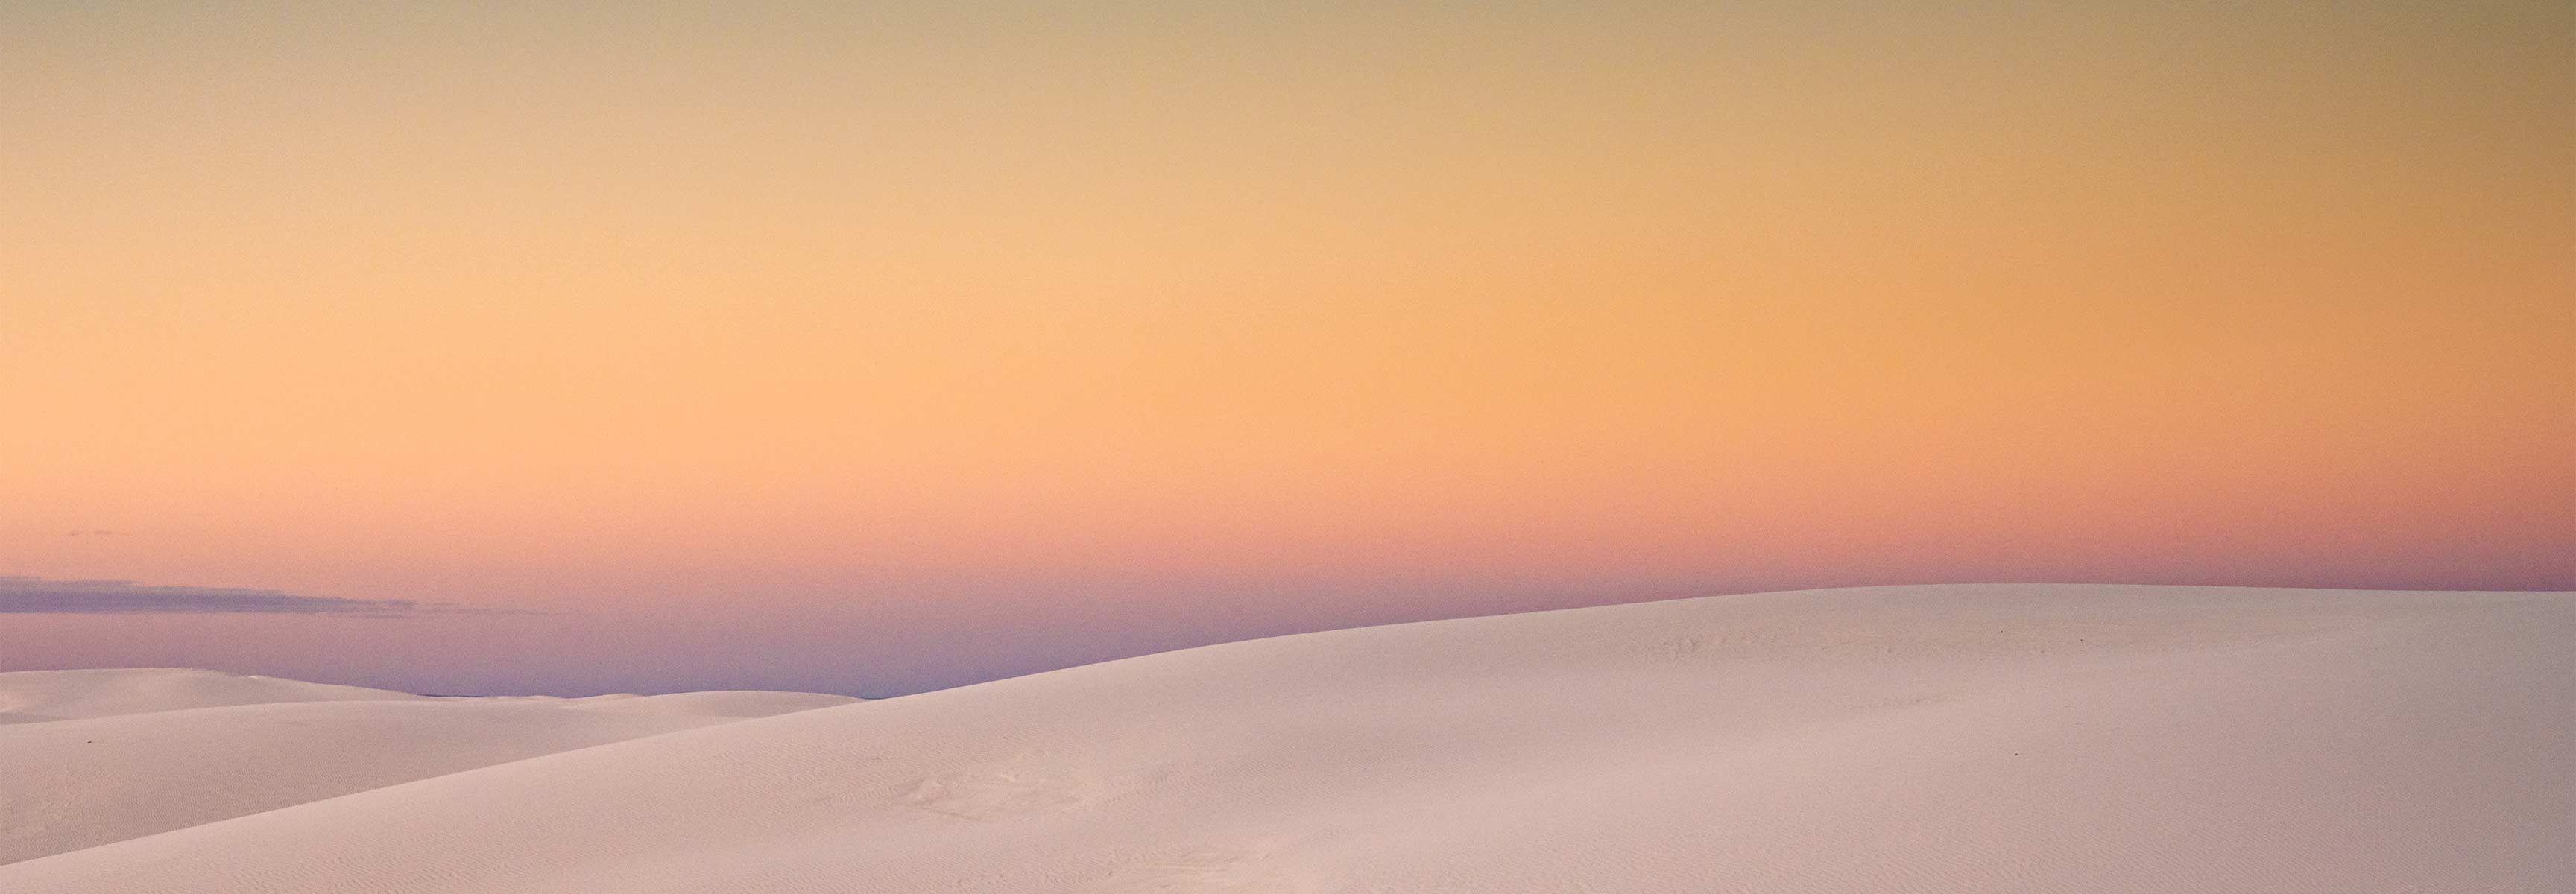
(72, 694)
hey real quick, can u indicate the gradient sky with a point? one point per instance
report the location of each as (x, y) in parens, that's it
(879, 346)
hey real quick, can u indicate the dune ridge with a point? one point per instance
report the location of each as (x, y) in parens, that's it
(76, 694)
(2056, 738)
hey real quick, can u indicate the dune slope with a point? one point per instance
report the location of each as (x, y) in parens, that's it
(198, 747)
(1997, 738)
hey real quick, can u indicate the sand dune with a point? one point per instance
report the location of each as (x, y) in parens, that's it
(2023, 738)
(58, 695)
(192, 747)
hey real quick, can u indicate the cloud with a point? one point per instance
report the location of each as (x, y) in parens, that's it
(31, 595)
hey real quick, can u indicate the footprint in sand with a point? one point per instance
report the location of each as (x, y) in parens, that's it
(988, 795)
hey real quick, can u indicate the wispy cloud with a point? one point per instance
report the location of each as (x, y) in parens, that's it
(31, 595)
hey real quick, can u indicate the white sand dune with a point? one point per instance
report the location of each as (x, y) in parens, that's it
(199, 746)
(1956, 738)
(58, 695)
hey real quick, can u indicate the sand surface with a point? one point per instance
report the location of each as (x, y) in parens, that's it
(1947, 738)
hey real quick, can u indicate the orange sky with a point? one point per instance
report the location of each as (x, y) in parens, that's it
(1150, 323)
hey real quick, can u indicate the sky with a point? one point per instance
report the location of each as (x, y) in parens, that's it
(878, 347)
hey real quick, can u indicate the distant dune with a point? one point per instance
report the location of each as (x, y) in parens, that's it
(1944, 738)
(58, 695)
(149, 750)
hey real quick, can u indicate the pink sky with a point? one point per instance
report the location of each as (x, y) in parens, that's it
(789, 346)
